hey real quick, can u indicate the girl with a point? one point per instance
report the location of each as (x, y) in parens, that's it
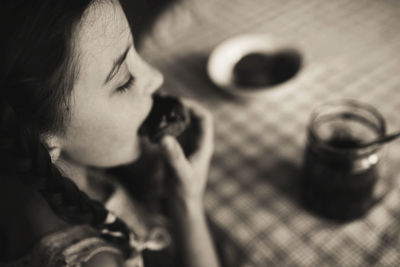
(74, 93)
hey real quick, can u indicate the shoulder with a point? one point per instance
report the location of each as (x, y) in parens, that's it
(26, 219)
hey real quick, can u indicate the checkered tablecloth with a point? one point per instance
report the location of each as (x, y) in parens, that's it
(351, 49)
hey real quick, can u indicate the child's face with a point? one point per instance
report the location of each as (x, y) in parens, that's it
(105, 116)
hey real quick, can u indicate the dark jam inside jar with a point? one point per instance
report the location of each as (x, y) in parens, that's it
(337, 182)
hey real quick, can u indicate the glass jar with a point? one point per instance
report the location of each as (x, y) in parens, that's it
(339, 176)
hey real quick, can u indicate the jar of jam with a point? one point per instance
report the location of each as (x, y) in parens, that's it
(339, 175)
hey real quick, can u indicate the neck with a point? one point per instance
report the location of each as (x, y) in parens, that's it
(78, 173)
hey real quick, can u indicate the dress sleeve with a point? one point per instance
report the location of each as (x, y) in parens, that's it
(83, 251)
(73, 247)
(69, 247)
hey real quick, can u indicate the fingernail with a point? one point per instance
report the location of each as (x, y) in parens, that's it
(167, 141)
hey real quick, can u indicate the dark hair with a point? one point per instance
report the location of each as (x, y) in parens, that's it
(37, 73)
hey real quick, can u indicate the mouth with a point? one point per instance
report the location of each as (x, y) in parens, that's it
(167, 116)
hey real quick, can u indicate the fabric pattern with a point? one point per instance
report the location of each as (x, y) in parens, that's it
(67, 247)
(75, 245)
(350, 49)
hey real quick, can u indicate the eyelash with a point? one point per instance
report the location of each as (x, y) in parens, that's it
(127, 85)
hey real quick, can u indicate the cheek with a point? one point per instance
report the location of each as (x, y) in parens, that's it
(107, 135)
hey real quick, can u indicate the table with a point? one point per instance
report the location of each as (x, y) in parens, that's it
(350, 50)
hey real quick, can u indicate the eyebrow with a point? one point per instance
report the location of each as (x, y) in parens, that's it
(117, 64)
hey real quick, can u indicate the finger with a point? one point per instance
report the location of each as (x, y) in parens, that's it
(206, 128)
(175, 156)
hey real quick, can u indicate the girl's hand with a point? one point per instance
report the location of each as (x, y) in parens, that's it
(191, 173)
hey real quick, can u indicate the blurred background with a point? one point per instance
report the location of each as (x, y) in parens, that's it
(349, 50)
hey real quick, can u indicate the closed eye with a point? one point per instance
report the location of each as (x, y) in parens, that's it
(127, 85)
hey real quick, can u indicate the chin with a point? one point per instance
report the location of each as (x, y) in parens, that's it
(120, 162)
(134, 155)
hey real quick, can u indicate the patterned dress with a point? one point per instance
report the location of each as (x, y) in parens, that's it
(77, 244)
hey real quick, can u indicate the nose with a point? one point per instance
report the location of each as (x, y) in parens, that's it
(152, 78)
(157, 79)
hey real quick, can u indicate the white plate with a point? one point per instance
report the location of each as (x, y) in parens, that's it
(224, 57)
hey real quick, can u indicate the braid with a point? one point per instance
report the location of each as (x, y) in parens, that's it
(37, 70)
(23, 155)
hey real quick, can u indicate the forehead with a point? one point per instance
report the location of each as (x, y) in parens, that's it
(102, 34)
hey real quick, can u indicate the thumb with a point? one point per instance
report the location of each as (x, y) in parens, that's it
(175, 156)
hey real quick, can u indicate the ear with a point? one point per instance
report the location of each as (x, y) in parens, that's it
(53, 145)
